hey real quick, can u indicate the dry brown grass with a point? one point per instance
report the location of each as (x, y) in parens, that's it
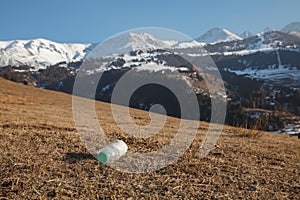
(42, 157)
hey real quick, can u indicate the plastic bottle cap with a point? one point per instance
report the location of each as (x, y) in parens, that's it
(103, 157)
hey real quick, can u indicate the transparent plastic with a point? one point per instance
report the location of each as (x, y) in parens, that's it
(112, 151)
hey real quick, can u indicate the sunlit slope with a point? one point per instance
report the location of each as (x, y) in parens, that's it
(43, 157)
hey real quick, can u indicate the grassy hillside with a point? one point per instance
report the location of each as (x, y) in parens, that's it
(42, 157)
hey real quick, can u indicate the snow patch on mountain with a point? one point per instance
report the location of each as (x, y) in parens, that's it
(270, 73)
(277, 72)
(187, 44)
(154, 67)
(295, 33)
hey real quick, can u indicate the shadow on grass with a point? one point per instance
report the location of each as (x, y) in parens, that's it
(73, 157)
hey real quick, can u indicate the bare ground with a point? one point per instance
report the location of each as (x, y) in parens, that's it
(42, 157)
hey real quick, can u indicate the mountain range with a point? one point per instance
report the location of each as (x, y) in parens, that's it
(40, 53)
(259, 71)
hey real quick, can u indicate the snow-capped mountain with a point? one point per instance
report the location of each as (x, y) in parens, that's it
(131, 41)
(39, 52)
(294, 26)
(264, 42)
(218, 35)
(127, 42)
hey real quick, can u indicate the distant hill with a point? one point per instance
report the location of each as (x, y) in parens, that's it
(294, 26)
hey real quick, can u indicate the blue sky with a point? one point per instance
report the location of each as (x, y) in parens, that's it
(93, 21)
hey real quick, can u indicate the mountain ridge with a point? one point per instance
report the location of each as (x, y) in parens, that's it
(41, 53)
(294, 26)
(215, 35)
